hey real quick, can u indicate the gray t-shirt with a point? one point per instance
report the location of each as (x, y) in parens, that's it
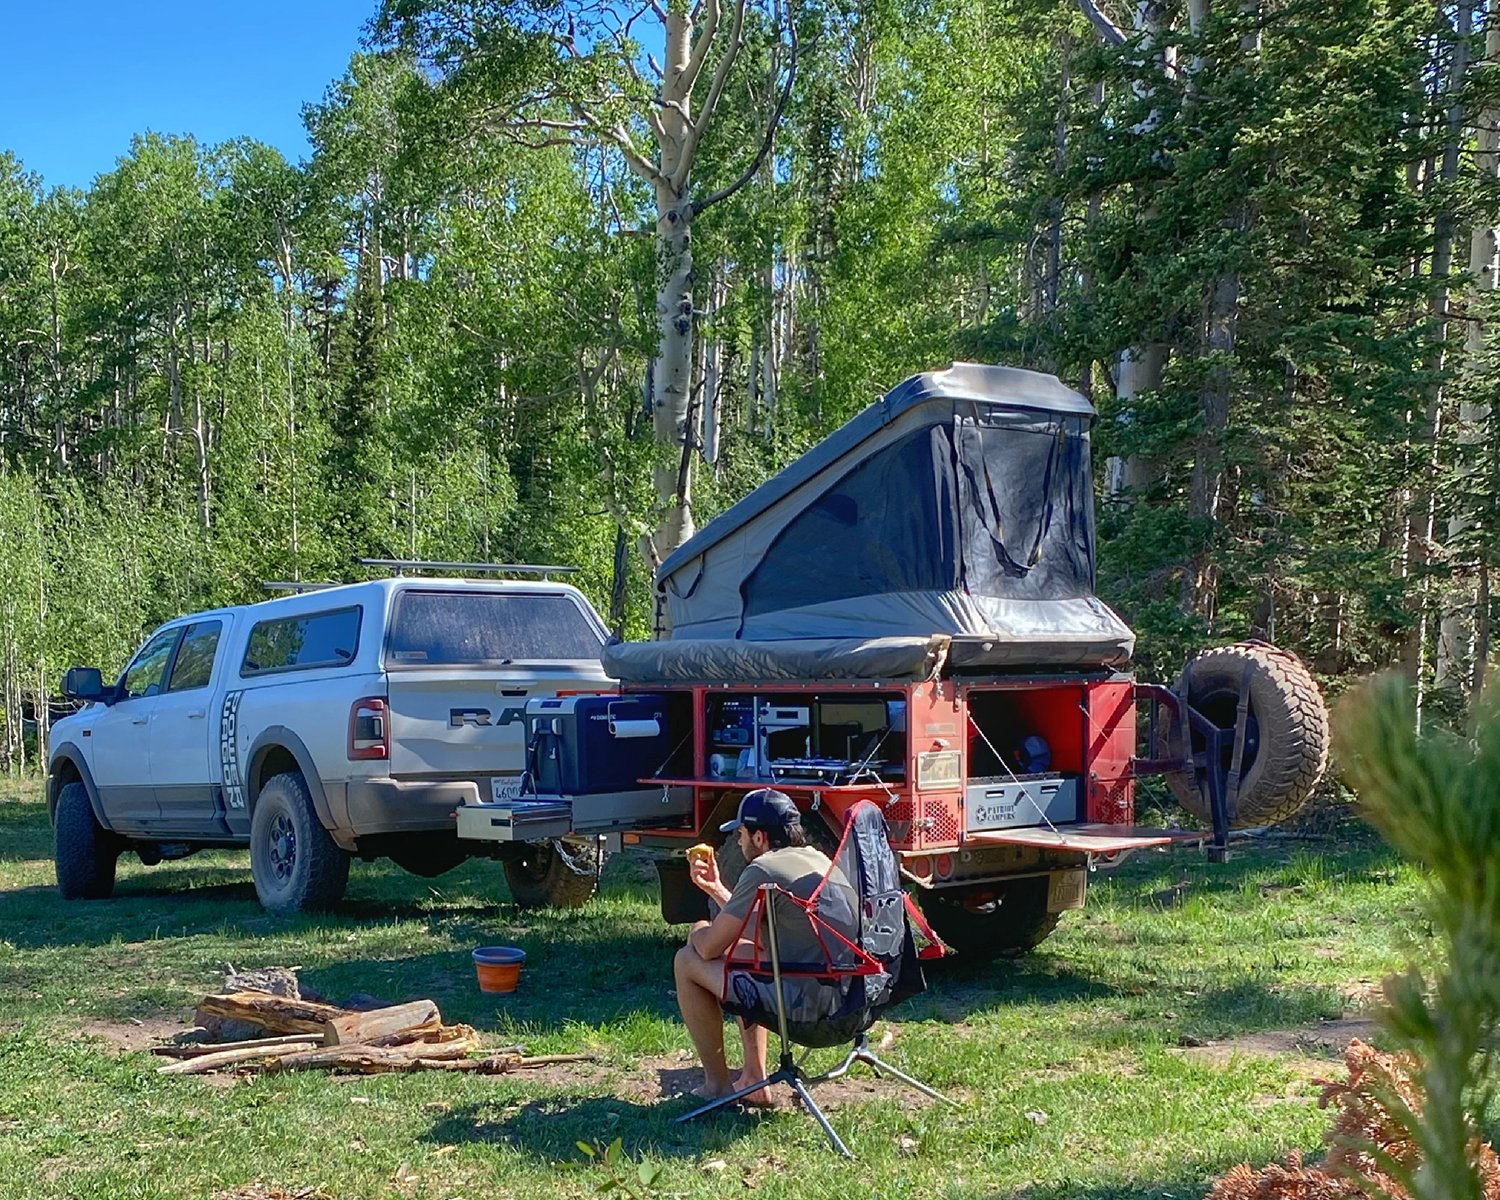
(797, 869)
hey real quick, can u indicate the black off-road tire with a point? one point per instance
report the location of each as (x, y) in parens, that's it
(84, 852)
(296, 865)
(1286, 743)
(992, 920)
(560, 873)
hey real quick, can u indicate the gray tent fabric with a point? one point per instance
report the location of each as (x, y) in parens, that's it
(959, 506)
(729, 661)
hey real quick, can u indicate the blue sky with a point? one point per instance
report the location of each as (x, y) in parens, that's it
(81, 78)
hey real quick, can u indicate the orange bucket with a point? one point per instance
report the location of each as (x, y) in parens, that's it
(498, 967)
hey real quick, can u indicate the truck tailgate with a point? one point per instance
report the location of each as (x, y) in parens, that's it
(471, 723)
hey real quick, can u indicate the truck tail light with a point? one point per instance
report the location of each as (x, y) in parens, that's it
(369, 731)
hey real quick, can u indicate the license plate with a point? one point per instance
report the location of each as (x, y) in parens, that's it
(505, 787)
(1066, 890)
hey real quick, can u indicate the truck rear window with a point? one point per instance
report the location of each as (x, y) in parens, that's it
(479, 629)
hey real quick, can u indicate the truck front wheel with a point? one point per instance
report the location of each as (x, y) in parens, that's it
(296, 865)
(561, 873)
(84, 851)
(993, 920)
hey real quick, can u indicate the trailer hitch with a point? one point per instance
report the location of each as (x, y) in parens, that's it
(1217, 769)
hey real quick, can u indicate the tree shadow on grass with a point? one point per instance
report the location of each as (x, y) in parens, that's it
(550, 1128)
(27, 835)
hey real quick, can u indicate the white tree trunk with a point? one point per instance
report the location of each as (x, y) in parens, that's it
(1459, 661)
(1140, 370)
(1423, 526)
(674, 375)
(1140, 367)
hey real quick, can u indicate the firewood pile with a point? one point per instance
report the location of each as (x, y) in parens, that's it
(293, 1033)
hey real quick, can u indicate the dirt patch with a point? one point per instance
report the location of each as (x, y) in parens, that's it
(258, 1191)
(135, 1035)
(1326, 1040)
(650, 1080)
(667, 1077)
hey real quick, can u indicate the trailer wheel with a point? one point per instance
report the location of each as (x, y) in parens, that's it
(560, 873)
(1286, 732)
(992, 920)
(731, 862)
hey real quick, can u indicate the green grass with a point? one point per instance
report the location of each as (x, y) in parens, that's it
(1087, 1031)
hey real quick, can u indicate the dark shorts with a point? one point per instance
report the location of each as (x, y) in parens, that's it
(819, 1012)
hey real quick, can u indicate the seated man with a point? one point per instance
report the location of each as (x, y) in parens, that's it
(769, 829)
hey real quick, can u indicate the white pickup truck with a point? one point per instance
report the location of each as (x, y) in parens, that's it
(341, 721)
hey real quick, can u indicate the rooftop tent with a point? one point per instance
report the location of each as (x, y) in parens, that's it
(953, 517)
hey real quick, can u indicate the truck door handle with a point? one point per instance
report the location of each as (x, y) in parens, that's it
(138, 720)
(196, 714)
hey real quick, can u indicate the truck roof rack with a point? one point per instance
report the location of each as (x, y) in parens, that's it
(296, 585)
(400, 566)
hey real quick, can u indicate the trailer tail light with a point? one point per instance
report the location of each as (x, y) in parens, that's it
(369, 732)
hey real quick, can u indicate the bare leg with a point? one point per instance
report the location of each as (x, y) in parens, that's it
(753, 1038)
(698, 998)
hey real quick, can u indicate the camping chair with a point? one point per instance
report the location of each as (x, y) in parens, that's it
(861, 973)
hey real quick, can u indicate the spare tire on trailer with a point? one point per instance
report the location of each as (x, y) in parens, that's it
(1286, 735)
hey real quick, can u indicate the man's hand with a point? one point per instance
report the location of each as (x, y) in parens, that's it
(704, 872)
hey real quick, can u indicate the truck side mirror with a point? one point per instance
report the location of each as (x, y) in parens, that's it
(83, 683)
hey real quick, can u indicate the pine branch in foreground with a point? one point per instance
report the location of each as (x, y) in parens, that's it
(1409, 1123)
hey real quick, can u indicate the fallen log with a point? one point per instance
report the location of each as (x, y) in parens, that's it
(503, 1064)
(443, 1034)
(200, 1049)
(418, 1017)
(204, 1063)
(279, 1014)
(366, 1060)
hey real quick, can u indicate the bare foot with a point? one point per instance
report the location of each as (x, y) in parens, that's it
(756, 1099)
(707, 1091)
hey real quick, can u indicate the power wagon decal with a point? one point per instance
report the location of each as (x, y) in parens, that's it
(229, 751)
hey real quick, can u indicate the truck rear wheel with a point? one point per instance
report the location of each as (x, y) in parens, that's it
(296, 865)
(84, 851)
(560, 873)
(1286, 731)
(991, 920)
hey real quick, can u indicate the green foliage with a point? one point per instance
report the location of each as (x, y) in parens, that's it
(634, 1179)
(1171, 952)
(1436, 799)
(433, 340)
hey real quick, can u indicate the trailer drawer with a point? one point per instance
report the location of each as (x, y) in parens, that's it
(1020, 802)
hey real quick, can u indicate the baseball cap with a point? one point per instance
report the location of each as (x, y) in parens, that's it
(764, 808)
